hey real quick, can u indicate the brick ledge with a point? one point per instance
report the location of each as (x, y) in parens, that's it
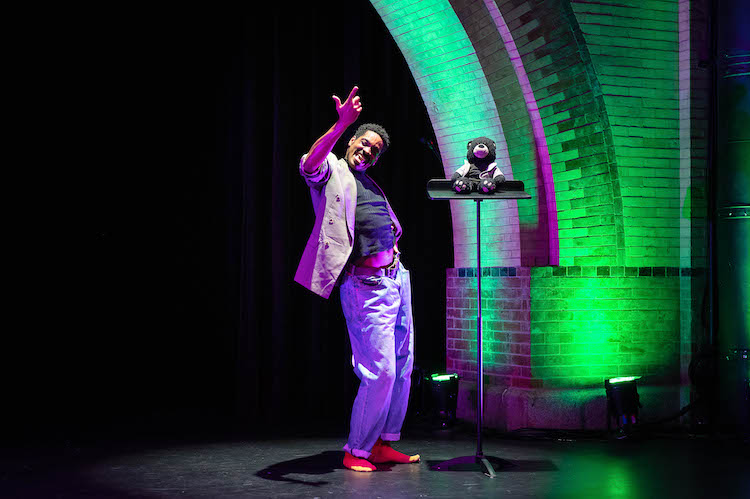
(511, 408)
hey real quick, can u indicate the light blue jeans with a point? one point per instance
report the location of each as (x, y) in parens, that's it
(381, 332)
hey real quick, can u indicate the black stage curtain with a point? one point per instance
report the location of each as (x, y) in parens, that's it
(189, 317)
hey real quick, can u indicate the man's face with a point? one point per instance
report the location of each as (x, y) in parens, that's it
(364, 151)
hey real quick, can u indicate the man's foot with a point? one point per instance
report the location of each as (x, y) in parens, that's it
(382, 452)
(358, 463)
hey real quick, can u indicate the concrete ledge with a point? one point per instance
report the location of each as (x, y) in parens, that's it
(511, 408)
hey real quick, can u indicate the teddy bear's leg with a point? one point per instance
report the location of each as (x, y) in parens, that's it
(462, 185)
(487, 186)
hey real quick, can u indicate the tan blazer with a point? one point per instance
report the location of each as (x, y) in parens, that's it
(333, 191)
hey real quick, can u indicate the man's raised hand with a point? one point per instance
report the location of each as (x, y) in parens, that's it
(350, 109)
(348, 114)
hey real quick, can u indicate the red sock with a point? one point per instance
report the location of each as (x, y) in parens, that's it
(358, 463)
(382, 452)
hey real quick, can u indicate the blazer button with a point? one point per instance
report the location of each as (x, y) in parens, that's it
(326, 244)
(330, 221)
(338, 198)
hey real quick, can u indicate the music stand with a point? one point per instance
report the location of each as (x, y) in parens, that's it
(441, 189)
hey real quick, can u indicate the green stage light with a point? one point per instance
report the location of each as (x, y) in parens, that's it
(443, 400)
(623, 403)
(625, 379)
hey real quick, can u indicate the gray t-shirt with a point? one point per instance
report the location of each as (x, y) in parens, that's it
(373, 230)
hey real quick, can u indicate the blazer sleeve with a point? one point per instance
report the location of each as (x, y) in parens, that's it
(321, 175)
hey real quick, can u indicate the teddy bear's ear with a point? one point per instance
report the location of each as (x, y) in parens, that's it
(468, 144)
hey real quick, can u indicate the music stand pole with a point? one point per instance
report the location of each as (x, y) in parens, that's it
(441, 189)
(480, 364)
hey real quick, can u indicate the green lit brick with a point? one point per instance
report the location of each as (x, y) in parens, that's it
(612, 305)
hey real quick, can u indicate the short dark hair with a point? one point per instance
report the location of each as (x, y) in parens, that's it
(373, 127)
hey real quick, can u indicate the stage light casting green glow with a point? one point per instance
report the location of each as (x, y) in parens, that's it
(625, 379)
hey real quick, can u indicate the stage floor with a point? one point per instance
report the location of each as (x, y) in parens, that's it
(558, 465)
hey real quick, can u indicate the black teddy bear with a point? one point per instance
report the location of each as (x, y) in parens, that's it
(479, 171)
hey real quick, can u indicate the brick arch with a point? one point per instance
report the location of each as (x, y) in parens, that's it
(514, 97)
(519, 73)
(459, 102)
(601, 78)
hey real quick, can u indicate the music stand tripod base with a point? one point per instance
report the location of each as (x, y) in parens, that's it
(441, 189)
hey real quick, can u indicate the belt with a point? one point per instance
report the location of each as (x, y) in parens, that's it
(389, 271)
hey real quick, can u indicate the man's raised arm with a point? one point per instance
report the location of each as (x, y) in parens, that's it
(348, 113)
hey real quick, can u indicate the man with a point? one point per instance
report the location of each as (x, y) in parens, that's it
(354, 243)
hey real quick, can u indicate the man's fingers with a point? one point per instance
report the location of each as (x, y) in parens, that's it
(351, 108)
(354, 101)
(353, 93)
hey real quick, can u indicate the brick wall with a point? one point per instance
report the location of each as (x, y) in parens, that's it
(506, 323)
(604, 80)
(576, 130)
(634, 51)
(600, 108)
(506, 78)
(593, 323)
(553, 327)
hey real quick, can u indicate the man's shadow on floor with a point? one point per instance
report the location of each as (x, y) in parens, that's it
(319, 464)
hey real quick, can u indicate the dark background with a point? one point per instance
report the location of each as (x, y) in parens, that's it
(173, 308)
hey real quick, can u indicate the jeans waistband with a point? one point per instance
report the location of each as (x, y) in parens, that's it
(389, 271)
